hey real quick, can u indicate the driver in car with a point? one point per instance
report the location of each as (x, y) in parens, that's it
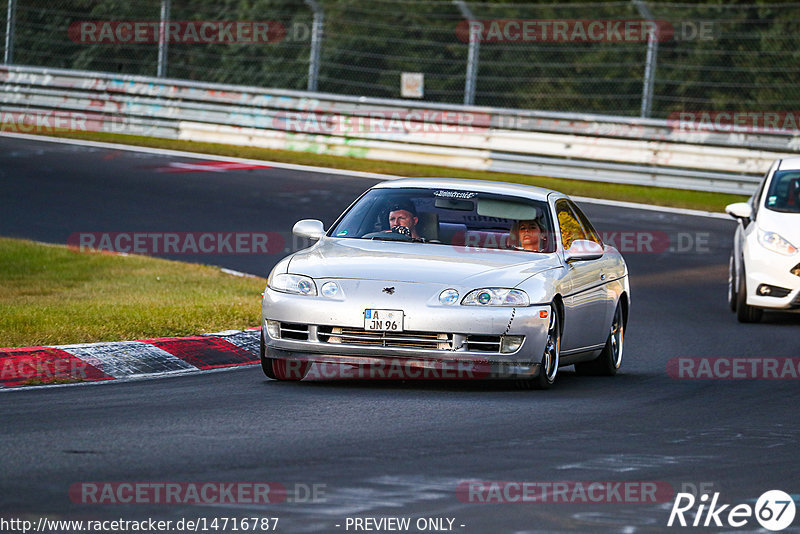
(403, 220)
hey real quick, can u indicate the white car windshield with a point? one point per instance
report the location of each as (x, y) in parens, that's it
(449, 217)
(784, 192)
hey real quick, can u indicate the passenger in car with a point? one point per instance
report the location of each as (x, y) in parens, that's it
(526, 235)
(794, 194)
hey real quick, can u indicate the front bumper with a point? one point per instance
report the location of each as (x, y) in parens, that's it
(331, 366)
(766, 267)
(459, 335)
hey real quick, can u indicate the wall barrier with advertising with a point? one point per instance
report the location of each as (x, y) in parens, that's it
(711, 151)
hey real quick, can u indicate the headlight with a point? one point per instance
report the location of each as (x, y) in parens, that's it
(496, 296)
(296, 284)
(330, 290)
(775, 243)
(448, 297)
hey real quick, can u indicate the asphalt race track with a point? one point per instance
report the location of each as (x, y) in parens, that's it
(390, 448)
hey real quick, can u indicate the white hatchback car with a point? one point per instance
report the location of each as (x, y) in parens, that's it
(764, 271)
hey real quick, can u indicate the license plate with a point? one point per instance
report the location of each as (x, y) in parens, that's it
(383, 320)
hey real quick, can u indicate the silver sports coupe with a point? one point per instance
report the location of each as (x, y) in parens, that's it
(448, 278)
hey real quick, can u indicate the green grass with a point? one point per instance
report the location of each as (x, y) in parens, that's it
(632, 193)
(51, 295)
(50, 381)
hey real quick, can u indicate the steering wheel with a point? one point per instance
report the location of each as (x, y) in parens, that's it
(387, 236)
(402, 230)
(398, 233)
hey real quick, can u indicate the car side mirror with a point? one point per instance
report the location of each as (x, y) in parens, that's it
(309, 229)
(583, 250)
(739, 210)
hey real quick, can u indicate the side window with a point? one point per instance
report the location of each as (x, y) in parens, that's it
(568, 224)
(591, 233)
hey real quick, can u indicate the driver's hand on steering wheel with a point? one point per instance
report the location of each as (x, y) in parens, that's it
(402, 230)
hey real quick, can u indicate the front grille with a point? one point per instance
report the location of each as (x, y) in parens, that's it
(294, 331)
(796, 302)
(483, 343)
(359, 336)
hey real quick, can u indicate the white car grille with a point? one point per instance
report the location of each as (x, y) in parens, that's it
(294, 331)
(359, 336)
(344, 335)
(483, 343)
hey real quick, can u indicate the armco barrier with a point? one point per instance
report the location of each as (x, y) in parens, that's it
(588, 147)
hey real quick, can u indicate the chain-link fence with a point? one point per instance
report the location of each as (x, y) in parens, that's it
(641, 57)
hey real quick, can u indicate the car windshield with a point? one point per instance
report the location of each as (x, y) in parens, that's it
(449, 217)
(784, 192)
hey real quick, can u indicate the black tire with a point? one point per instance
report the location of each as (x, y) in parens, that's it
(285, 370)
(732, 293)
(609, 360)
(744, 312)
(550, 357)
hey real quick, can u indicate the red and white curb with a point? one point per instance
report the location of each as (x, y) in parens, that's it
(91, 362)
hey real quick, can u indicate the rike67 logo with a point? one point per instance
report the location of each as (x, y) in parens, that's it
(774, 510)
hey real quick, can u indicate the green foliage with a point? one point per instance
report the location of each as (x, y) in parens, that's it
(723, 56)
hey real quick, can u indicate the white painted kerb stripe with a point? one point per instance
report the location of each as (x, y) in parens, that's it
(127, 358)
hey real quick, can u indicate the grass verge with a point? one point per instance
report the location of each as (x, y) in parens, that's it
(51, 295)
(679, 198)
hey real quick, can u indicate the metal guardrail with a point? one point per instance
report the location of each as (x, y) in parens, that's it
(566, 145)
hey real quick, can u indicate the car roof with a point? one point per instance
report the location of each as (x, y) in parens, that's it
(478, 186)
(792, 163)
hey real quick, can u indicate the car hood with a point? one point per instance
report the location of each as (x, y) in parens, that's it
(787, 225)
(418, 262)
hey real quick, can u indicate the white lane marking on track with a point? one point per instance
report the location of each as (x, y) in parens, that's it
(326, 170)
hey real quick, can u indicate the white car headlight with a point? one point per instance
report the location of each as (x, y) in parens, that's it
(330, 290)
(448, 297)
(496, 296)
(296, 284)
(775, 243)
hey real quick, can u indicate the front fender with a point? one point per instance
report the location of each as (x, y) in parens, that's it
(543, 286)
